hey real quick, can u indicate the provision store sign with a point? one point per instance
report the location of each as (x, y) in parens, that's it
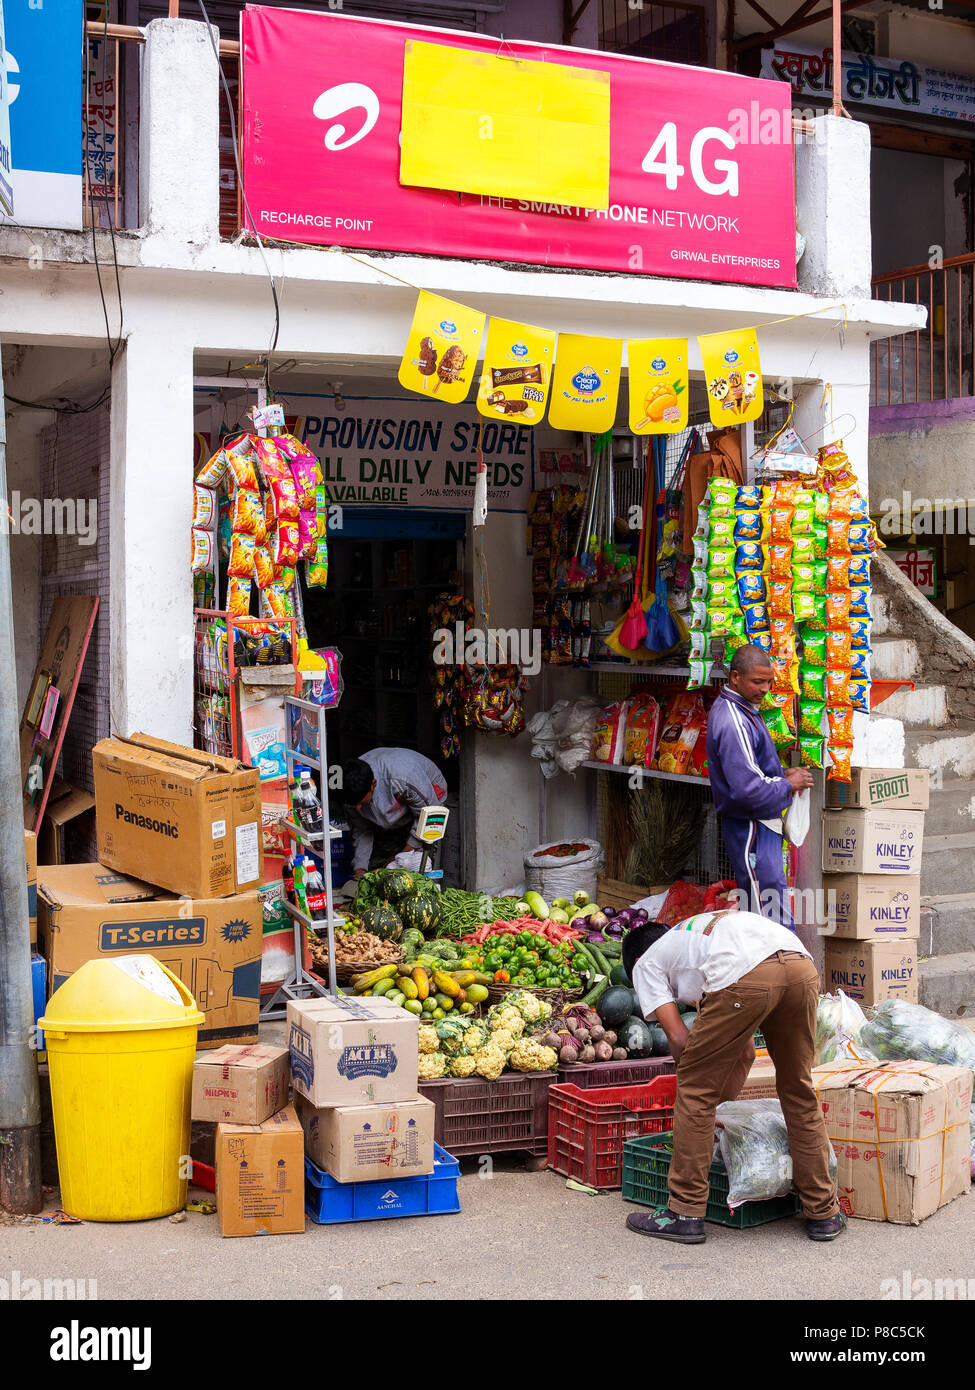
(700, 162)
(400, 453)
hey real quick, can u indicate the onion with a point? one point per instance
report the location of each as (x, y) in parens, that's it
(598, 920)
(640, 914)
(608, 911)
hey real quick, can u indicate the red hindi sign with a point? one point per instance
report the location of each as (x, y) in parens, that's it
(701, 162)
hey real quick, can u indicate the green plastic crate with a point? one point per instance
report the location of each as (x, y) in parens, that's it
(646, 1164)
(759, 1040)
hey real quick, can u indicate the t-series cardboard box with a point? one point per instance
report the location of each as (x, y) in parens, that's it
(30, 852)
(185, 820)
(87, 912)
(869, 971)
(240, 1085)
(887, 788)
(872, 842)
(261, 1177)
(350, 1051)
(365, 1143)
(873, 907)
(900, 1134)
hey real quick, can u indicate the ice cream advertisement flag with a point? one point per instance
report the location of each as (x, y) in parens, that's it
(586, 383)
(734, 376)
(658, 384)
(517, 373)
(444, 344)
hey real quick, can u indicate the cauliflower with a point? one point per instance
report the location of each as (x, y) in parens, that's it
(474, 1039)
(429, 1042)
(489, 1062)
(503, 1039)
(531, 1056)
(527, 1005)
(546, 1009)
(431, 1066)
(452, 1033)
(461, 1066)
(503, 1016)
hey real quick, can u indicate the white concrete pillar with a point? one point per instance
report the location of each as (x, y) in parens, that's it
(179, 133)
(845, 417)
(833, 195)
(151, 500)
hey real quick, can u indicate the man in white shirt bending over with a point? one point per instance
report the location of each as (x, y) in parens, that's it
(750, 973)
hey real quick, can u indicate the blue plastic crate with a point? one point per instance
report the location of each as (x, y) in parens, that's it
(431, 1194)
(38, 988)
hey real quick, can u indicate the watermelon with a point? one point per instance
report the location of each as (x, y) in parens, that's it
(636, 1037)
(383, 921)
(614, 1006)
(618, 976)
(661, 1047)
(422, 912)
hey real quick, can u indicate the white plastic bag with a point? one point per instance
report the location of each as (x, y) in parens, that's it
(839, 1023)
(795, 821)
(754, 1145)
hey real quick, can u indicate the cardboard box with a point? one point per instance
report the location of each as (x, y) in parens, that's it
(895, 788)
(186, 820)
(869, 971)
(240, 1085)
(64, 805)
(87, 911)
(367, 1143)
(900, 1134)
(873, 907)
(760, 1081)
(30, 854)
(261, 1177)
(350, 1051)
(872, 842)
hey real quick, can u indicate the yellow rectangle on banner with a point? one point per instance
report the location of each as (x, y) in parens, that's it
(504, 127)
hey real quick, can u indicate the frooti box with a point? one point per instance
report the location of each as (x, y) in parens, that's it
(352, 1051)
(365, 1143)
(873, 907)
(240, 1085)
(261, 1177)
(872, 842)
(87, 911)
(889, 788)
(185, 820)
(870, 971)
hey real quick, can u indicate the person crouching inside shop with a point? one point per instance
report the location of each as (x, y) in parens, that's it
(384, 792)
(750, 973)
(751, 790)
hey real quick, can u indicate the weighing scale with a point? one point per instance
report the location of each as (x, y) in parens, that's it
(430, 828)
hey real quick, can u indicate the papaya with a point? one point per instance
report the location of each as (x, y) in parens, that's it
(446, 984)
(407, 986)
(422, 982)
(372, 977)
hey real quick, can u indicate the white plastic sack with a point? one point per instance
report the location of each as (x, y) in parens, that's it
(754, 1145)
(555, 876)
(839, 1022)
(795, 821)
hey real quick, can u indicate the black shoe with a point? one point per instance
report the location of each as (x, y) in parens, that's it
(668, 1225)
(828, 1229)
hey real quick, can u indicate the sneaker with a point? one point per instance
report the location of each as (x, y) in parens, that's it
(668, 1225)
(828, 1229)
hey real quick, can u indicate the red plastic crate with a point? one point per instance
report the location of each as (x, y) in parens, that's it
(475, 1116)
(635, 1071)
(587, 1128)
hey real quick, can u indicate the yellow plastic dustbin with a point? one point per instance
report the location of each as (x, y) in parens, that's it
(121, 1039)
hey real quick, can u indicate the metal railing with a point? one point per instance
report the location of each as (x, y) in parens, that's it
(934, 363)
(676, 33)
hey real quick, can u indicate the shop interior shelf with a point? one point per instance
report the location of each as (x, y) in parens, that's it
(647, 772)
(649, 669)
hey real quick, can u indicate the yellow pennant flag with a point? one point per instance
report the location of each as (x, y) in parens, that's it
(442, 349)
(517, 372)
(586, 383)
(734, 376)
(658, 385)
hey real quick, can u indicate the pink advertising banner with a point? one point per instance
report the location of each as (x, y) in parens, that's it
(701, 179)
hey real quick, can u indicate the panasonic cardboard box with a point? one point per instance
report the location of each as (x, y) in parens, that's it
(873, 907)
(886, 788)
(367, 1143)
(185, 820)
(352, 1051)
(872, 842)
(87, 912)
(871, 971)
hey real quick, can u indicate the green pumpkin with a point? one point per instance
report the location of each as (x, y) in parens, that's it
(399, 884)
(383, 921)
(421, 912)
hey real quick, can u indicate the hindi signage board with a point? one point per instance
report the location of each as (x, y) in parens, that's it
(921, 568)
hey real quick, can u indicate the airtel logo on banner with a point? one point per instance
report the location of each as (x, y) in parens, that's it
(336, 101)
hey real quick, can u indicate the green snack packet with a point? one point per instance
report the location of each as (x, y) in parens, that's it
(722, 593)
(819, 542)
(803, 578)
(721, 621)
(803, 550)
(814, 649)
(816, 622)
(812, 683)
(803, 607)
(811, 751)
(819, 570)
(811, 718)
(721, 563)
(700, 668)
(803, 517)
(721, 530)
(775, 722)
(821, 505)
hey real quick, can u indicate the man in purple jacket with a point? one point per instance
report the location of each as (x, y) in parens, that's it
(751, 791)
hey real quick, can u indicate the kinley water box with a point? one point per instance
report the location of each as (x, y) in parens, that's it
(872, 842)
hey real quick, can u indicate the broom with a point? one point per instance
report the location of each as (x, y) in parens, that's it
(667, 829)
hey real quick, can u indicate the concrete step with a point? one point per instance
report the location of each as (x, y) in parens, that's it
(895, 658)
(926, 707)
(948, 863)
(880, 612)
(952, 808)
(948, 751)
(947, 924)
(946, 984)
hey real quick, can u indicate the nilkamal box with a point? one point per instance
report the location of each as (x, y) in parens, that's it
(870, 971)
(352, 1051)
(240, 1085)
(185, 820)
(900, 1134)
(260, 1172)
(889, 788)
(873, 907)
(760, 1082)
(365, 1143)
(30, 853)
(87, 911)
(872, 842)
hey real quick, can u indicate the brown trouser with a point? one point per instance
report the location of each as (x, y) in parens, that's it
(780, 997)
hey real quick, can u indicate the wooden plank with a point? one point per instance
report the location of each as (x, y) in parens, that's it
(902, 137)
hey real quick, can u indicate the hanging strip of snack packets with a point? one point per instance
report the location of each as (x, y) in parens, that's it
(715, 610)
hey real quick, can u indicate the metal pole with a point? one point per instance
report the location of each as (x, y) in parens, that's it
(174, 9)
(20, 1105)
(838, 108)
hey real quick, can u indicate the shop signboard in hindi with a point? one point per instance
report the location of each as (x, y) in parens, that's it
(692, 192)
(384, 451)
(921, 568)
(897, 85)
